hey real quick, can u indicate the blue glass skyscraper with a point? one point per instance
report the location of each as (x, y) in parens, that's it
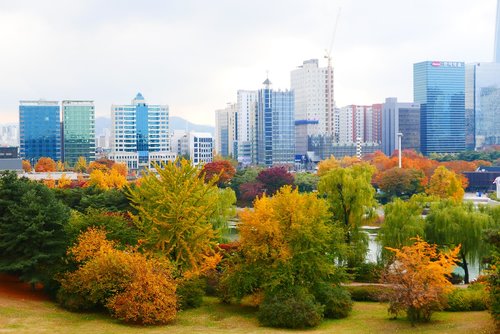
(39, 130)
(275, 126)
(439, 87)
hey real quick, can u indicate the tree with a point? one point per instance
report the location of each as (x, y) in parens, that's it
(402, 223)
(26, 166)
(351, 197)
(101, 164)
(63, 182)
(242, 176)
(105, 180)
(250, 191)
(130, 286)
(32, 235)
(60, 166)
(419, 281)
(328, 164)
(284, 249)
(223, 169)
(445, 184)
(120, 168)
(306, 182)
(450, 224)
(274, 178)
(176, 209)
(80, 165)
(401, 182)
(493, 238)
(45, 165)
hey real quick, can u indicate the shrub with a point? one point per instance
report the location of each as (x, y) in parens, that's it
(336, 300)
(190, 293)
(368, 273)
(455, 278)
(474, 298)
(290, 309)
(368, 293)
(130, 286)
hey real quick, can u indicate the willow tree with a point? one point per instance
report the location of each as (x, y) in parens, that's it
(450, 224)
(178, 213)
(403, 221)
(351, 198)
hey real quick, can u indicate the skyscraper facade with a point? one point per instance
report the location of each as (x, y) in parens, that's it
(40, 130)
(400, 117)
(78, 131)
(226, 131)
(140, 134)
(275, 126)
(314, 104)
(439, 88)
(247, 126)
(482, 105)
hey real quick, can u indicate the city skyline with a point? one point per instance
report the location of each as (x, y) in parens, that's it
(185, 55)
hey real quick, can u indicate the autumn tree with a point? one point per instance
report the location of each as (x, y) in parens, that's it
(402, 223)
(26, 166)
(450, 224)
(223, 169)
(445, 184)
(105, 180)
(64, 182)
(101, 164)
(130, 286)
(242, 176)
(80, 165)
(60, 167)
(176, 209)
(120, 168)
(274, 178)
(418, 277)
(351, 197)
(45, 165)
(401, 182)
(284, 249)
(326, 165)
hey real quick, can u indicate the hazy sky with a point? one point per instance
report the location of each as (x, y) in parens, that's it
(195, 54)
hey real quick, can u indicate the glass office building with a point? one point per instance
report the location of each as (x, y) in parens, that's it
(275, 126)
(140, 134)
(439, 88)
(482, 105)
(39, 130)
(78, 131)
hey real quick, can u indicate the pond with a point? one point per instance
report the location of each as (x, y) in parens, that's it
(374, 249)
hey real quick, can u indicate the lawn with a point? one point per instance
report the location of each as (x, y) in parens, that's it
(19, 315)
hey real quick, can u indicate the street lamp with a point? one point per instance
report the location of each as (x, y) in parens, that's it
(400, 135)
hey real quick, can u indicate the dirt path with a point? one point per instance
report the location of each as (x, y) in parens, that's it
(10, 286)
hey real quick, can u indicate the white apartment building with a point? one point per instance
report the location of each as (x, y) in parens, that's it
(225, 131)
(246, 109)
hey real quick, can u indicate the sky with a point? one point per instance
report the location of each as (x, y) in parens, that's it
(194, 55)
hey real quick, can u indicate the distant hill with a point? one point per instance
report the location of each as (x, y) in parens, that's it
(176, 123)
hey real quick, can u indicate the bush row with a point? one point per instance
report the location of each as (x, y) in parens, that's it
(474, 298)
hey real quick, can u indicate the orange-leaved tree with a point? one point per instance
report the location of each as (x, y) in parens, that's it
(418, 279)
(221, 168)
(26, 166)
(446, 184)
(45, 164)
(132, 287)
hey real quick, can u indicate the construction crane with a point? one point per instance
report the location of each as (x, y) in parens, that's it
(330, 103)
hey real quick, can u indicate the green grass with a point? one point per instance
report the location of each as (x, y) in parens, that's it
(22, 316)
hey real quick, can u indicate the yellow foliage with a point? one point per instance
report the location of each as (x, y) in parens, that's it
(121, 168)
(64, 182)
(446, 184)
(90, 243)
(49, 182)
(419, 279)
(326, 165)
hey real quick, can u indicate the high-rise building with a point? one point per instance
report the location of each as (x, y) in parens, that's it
(201, 146)
(352, 123)
(482, 105)
(247, 126)
(140, 134)
(314, 104)
(376, 124)
(275, 126)
(439, 88)
(496, 55)
(78, 131)
(400, 117)
(226, 131)
(40, 130)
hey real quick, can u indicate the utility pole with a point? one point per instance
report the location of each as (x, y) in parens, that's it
(400, 135)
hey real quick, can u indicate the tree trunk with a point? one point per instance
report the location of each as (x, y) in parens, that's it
(466, 269)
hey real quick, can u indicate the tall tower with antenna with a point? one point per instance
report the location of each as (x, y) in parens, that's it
(330, 101)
